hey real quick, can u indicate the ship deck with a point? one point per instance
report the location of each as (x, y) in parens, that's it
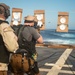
(56, 59)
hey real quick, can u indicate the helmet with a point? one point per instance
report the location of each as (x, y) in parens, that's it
(6, 10)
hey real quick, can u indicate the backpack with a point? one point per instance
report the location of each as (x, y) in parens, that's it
(23, 43)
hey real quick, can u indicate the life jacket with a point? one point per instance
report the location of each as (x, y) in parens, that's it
(3, 50)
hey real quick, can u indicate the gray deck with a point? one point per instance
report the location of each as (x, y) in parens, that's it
(56, 61)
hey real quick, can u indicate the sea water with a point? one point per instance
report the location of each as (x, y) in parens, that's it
(50, 36)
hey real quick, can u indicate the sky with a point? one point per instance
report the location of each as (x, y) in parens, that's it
(51, 7)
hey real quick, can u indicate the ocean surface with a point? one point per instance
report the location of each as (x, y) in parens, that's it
(50, 36)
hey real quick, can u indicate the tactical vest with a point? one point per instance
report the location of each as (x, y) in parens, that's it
(23, 43)
(4, 54)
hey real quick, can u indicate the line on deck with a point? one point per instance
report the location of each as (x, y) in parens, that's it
(51, 64)
(61, 71)
(60, 62)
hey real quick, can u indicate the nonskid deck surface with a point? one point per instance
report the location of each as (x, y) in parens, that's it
(56, 61)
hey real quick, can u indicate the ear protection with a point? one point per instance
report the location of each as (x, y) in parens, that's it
(7, 12)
